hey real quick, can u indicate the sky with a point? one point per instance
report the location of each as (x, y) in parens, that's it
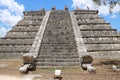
(11, 11)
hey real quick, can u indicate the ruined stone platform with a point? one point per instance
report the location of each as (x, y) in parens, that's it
(61, 37)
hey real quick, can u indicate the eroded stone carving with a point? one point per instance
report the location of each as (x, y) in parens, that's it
(66, 8)
(53, 8)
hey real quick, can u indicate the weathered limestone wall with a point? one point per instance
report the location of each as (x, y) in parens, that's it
(16, 41)
(105, 54)
(95, 26)
(23, 28)
(20, 34)
(107, 40)
(103, 47)
(100, 39)
(19, 40)
(98, 33)
(63, 39)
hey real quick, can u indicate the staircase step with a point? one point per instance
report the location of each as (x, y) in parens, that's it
(99, 33)
(58, 64)
(97, 29)
(58, 60)
(61, 49)
(56, 56)
(16, 41)
(93, 23)
(11, 55)
(102, 40)
(14, 48)
(100, 26)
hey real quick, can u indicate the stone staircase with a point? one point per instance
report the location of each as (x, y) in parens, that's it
(58, 46)
(100, 39)
(20, 38)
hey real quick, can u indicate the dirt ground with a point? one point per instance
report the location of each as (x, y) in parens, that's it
(9, 70)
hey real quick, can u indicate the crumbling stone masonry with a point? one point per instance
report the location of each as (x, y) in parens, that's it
(61, 37)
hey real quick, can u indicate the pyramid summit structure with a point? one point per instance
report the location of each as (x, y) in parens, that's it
(61, 37)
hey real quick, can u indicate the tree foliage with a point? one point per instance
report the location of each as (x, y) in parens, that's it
(105, 2)
(111, 3)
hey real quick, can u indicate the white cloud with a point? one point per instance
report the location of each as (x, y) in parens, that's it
(116, 9)
(113, 16)
(3, 31)
(10, 13)
(83, 4)
(12, 6)
(103, 10)
(9, 19)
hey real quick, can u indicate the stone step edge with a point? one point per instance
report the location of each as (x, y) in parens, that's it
(103, 50)
(91, 23)
(99, 36)
(15, 43)
(103, 42)
(23, 31)
(98, 29)
(15, 38)
(57, 66)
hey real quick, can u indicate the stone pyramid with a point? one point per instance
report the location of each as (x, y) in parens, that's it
(61, 37)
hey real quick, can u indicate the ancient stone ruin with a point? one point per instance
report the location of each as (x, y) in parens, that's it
(60, 38)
